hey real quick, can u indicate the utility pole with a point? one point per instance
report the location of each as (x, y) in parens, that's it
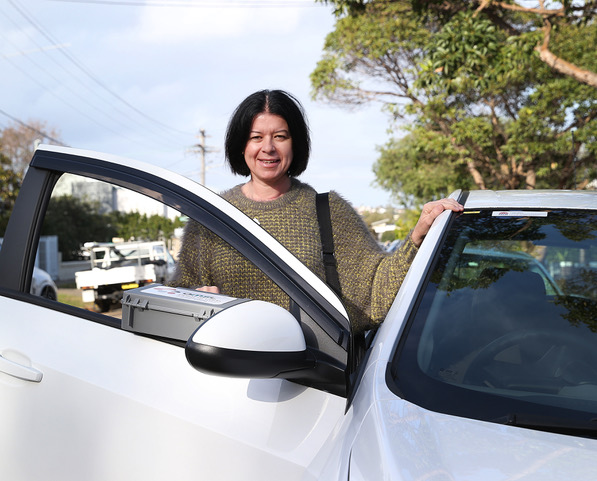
(202, 149)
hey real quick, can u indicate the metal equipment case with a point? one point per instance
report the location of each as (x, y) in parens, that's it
(170, 312)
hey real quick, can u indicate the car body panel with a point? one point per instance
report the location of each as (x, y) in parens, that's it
(336, 460)
(110, 404)
(131, 404)
(401, 441)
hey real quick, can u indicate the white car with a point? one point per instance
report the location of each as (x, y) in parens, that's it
(43, 285)
(479, 372)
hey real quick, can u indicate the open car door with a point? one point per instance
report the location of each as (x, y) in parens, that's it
(83, 398)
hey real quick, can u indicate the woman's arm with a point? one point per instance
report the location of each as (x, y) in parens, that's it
(369, 276)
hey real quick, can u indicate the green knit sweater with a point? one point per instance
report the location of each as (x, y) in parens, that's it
(369, 277)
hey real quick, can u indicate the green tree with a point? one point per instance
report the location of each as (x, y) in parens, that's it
(372, 56)
(137, 226)
(17, 144)
(10, 183)
(514, 17)
(75, 222)
(18, 141)
(477, 104)
(407, 222)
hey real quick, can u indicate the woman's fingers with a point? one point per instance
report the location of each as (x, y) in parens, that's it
(431, 210)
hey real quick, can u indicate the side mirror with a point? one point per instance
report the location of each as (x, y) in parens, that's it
(254, 339)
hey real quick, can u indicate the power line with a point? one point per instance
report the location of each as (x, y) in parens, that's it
(48, 74)
(88, 74)
(66, 102)
(34, 50)
(86, 71)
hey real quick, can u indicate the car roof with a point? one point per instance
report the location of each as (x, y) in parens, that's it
(531, 199)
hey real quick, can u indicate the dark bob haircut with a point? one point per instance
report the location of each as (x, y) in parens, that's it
(275, 102)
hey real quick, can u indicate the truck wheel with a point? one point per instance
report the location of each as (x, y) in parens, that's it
(102, 305)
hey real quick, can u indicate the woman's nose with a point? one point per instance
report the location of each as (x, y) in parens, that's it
(268, 145)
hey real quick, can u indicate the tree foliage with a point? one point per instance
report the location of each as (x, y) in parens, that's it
(481, 106)
(10, 183)
(141, 227)
(76, 221)
(373, 56)
(17, 144)
(19, 140)
(517, 18)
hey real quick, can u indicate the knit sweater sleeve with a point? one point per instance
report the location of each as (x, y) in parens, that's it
(369, 277)
(193, 265)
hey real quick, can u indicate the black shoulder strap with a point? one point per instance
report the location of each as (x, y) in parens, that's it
(322, 203)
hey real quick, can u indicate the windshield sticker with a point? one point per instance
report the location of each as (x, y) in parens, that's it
(517, 213)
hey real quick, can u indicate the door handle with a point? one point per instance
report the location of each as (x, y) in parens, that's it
(18, 365)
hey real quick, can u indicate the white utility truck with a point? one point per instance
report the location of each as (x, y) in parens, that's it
(120, 266)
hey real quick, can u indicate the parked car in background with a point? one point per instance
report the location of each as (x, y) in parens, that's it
(43, 285)
(485, 367)
(475, 261)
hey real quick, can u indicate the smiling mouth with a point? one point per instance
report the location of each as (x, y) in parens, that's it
(269, 161)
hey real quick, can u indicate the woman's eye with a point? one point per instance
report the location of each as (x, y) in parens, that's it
(255, 138)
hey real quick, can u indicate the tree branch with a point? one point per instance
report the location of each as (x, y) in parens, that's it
(476, 175)
(561, 65)
(558, 12)
(556, 63)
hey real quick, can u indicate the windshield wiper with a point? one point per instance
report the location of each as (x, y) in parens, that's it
(574, 427)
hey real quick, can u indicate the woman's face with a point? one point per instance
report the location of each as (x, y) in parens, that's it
(268, 152)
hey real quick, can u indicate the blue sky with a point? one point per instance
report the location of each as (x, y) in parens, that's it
(140, 79)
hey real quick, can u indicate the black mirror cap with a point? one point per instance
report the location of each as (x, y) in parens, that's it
(248, 364)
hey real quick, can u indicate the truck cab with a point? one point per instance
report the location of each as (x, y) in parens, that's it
(119, 266)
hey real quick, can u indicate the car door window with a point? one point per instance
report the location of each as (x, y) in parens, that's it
(112, 240)
(109, 240)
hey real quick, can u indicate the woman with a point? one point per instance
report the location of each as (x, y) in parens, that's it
(268, 141)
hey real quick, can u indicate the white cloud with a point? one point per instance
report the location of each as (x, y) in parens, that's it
(186, 68)
(174, 25)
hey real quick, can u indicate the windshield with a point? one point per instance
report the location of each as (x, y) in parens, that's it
(506, 327)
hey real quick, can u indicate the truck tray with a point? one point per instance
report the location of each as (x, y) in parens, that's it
(170, 312)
